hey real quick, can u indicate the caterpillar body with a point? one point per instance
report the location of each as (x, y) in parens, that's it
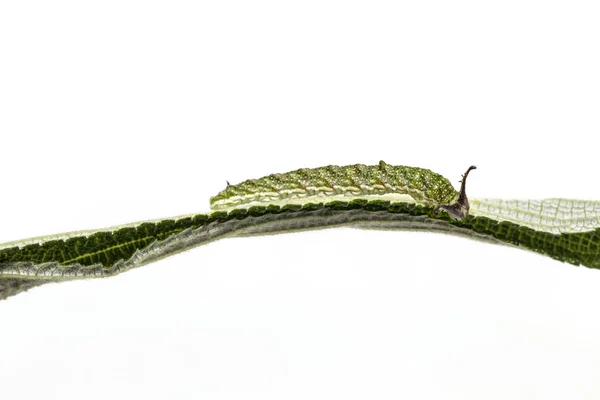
(310, 184)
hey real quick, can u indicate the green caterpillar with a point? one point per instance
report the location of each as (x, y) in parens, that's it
(422, 185)
(368, 197)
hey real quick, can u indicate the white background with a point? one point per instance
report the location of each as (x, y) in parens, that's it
(120, 111)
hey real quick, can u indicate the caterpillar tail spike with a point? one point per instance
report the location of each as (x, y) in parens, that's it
(381, 196)
(460, 209)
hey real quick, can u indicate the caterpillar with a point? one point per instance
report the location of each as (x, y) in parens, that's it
(422, 185)
(334, 182)
(367, 197)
